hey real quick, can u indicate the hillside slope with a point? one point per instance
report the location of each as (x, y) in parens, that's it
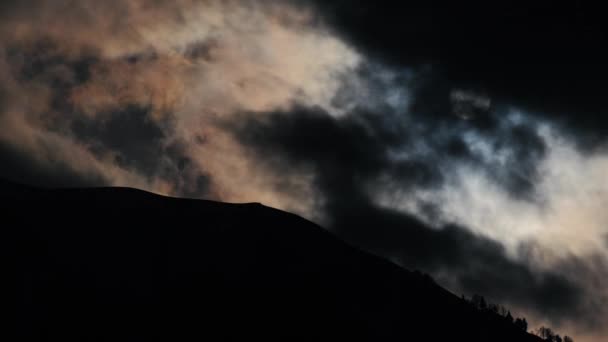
(119, 264)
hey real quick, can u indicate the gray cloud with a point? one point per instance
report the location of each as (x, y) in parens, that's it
(545, 56)
(350, 153)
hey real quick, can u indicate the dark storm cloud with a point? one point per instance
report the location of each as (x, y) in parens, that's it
(444, 123)
(546, 56)
(424, 124)
(461, 260)
(527, 152)
(22, 168)
(137, 140)
(71, 70)
(12, 7)
(43, 63)
(348, 154)
(421, 129)
(348, 151)
(129, 133)
(140, 143)
(43, 59)
(39, 63)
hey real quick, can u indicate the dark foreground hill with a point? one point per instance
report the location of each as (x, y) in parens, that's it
(125, 265)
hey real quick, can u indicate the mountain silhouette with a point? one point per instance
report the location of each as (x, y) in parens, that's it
(119, 264)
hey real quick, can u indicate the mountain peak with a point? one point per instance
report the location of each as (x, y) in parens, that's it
(117, 264)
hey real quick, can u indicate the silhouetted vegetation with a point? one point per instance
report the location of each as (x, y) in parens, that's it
(521, 323)
(547, 334)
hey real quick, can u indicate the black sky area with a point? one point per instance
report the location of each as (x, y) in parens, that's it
(546, 55)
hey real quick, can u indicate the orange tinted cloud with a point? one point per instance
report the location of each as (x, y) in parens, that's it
(191, 63)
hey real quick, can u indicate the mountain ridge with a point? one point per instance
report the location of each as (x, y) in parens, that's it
(123, 264)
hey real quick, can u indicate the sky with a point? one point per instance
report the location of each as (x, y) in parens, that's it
(468, 141)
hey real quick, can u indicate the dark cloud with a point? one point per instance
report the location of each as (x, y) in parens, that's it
(407, 142)
(411, 114)
(9, 8)
(129, 133)
(20, 167)
(202, 50)
(461, 260)
(548, 56)
(143, 144)
(526, 153)
(590, 271)
(348, 154)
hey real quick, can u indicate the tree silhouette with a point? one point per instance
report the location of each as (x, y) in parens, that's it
(479, 302)
(550, 336)
(546, 333)
(522, 324)
(492, 309)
